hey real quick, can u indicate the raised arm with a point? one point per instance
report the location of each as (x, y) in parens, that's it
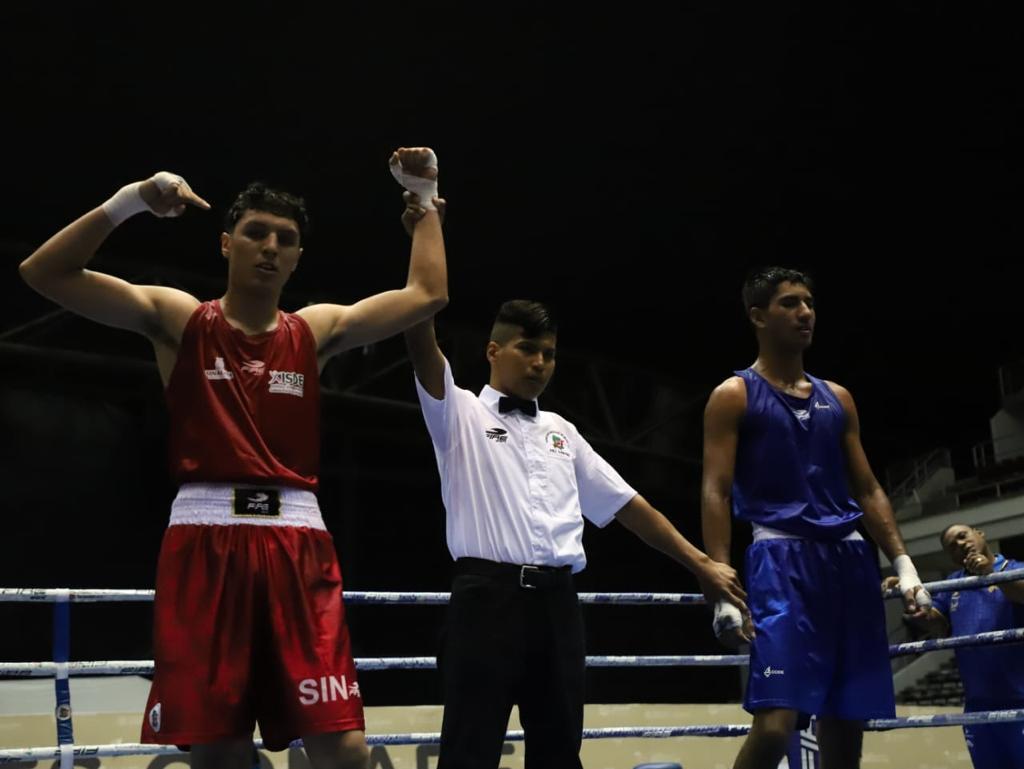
(342, 327)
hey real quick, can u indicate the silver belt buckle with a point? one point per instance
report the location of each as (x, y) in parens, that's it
(522, 575)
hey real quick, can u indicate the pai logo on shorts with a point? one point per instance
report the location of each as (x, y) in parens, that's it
(558, 444)
(287, 382)
(257, 503)
(769, 672)
(327, 689)
(154, 717)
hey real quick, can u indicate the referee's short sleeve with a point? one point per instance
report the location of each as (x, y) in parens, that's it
(441, 415)
(602, 490)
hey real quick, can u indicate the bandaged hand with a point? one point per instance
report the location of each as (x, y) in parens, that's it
(731, 627)
(164, 194)
(416, 169)
(915, 597)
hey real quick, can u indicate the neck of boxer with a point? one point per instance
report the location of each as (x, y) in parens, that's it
(782, 368)
(253, 312)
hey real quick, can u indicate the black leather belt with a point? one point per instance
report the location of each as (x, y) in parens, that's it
(526, 576)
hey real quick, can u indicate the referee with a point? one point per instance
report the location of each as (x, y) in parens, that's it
(517, 483)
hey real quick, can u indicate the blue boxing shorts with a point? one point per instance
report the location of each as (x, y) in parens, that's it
(820, 645)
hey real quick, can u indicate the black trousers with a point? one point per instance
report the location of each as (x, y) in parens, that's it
(504, 645)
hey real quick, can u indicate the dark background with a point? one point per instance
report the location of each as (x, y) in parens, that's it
(627, 165)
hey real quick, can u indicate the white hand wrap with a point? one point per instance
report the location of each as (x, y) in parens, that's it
(127, 201)
(727, 617)
(425, 189)
(909, 581)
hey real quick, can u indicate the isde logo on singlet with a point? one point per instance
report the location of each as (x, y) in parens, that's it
(218, 371)
(287, 382)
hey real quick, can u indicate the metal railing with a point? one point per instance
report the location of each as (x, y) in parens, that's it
(921, 469)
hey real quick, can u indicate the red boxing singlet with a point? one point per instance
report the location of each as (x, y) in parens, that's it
(245, 409)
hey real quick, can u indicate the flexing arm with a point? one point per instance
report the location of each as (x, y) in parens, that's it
(57, 269)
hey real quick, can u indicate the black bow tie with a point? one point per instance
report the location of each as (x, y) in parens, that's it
(511, 403)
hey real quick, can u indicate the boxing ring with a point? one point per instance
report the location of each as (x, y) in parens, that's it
(60, 669)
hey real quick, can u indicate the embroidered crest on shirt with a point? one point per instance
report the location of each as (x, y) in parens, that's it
(287, 382)
(218, 371)
(558, 444)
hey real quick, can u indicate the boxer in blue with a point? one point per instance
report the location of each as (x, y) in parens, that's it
(782, 451)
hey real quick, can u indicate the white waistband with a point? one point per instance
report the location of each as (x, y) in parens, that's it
(215, 504)
(763, 532)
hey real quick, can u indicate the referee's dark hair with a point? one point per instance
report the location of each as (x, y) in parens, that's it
(533, 318)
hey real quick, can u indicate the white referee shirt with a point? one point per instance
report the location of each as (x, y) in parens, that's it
(516, 488)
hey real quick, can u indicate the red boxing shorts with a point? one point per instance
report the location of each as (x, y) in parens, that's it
(249, 625)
